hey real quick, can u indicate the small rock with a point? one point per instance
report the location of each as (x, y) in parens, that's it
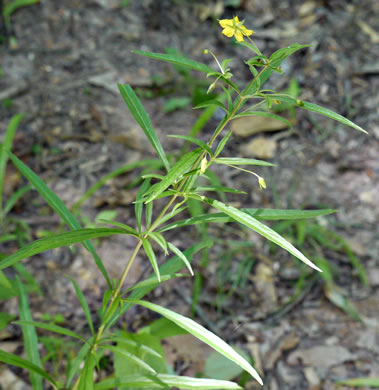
(260, 147)
(247, 126)
(321, 356)
(10, 381)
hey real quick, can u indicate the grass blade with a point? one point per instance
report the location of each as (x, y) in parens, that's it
(30, 336)
(140, 115)
(5, 147)
(51, 328)
(57, 241)
(14, 360)
(83, 303)
(59, 207)
(242, 161)
(202, 334)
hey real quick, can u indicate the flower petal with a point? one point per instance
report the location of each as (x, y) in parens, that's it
(239, 36)
(226, 23)
(228, 31)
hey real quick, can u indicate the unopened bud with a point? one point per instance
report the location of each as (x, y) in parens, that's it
(203, 165)
(262, 183)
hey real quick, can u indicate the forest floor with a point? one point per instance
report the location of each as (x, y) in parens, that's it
(61, 69)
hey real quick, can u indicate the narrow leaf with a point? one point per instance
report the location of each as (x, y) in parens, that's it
(30, 337)
(51, 328)
(127, 229)
(194, 140)
(242, 161)
(83, 303)
(222, 143)
(318, 109)
(77, 361)
(57, 241)
(183, 166)
(260, 228)
(180, 382)
(181, 255)
(260, 214)
(151, 255)
(204, 335)
(59, 207)
(86, 378)
(138, 207)
(160, 240)
(211, 102)
(140, 115)
(177, 60)
(14, 360)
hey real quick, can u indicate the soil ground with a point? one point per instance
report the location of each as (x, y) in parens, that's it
(60, 67)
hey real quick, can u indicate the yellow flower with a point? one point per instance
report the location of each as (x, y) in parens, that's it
(233, 27)
(262, 183)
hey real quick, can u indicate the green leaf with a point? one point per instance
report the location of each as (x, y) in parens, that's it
(5, 147)
(181, 255)
(59, 207)
(14, 360)
(180, 382)
(135, 342)
(260, 214)
(119, 171)
(76, 362)
(264, 114)
(129, 356)
(194, 140)
(6, 289)
(183, 166)
(252, 46)
(127, 229)
(139, 205)
(83, 303)
(222, 143)
(242, 161)
(361, 382)
(57, 241)
(265, 231)
(5, 319)
(160, 240)
(140, 115)
(86, 378)
(30, 336)
(15, 197)
(151, 255)
(317, 109)
(52, 328)
(177, 60)
(162, 328)
(14, 5)
(202, 334)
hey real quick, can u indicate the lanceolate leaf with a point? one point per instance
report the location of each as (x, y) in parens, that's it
(181, 255)
(182, 167)
(30, 336)
(318, 109)
(241, 161)
(51, 328)
(57, 241)
(204, 335)
(260, 228)
(14, 360)
(151, 255)
(140, 115)
(196, 141)
(180, 382)
(59, 207)
(260, 214)
(177, 60)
